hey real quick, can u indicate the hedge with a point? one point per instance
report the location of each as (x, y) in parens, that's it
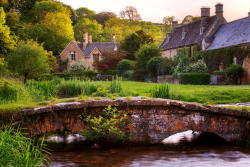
(194, 78)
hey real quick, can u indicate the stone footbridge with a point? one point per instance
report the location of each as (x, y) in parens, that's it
(149, 120)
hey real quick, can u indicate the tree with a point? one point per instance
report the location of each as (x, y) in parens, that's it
(125, 65)
(143, 55)
(154, 66)
(84, 13)
(130, 13)
(167, 22)
(7, 41)
(90, 26)
(110, 59)
(103, 17)
(134, 41)
(29, 60)
(189, 19)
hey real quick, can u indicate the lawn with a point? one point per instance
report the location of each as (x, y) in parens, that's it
(36, 93)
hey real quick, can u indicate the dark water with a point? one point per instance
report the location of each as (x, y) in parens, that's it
(224, 156)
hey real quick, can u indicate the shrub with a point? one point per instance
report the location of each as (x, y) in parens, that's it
(234, 72)
(17, 150)
(128, 74)
(194, 78)
(199, 66)
(115, 86)
(106, 128)
(154, 65)
(11, 91)
(77, 67)
(125, 65)
(101, 92)
(161, 91)
(42, 90)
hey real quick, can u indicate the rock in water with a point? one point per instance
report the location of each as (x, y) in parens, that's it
(187, 136)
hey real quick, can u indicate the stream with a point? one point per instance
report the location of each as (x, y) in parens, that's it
(154, 156)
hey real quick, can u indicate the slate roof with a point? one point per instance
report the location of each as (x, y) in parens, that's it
(101, 46)
(192, 37)
(232, 34)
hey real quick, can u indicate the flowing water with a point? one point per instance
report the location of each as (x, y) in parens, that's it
(157, 156)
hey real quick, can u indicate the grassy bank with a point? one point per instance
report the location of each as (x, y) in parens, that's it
(17, 150)
(15, 95)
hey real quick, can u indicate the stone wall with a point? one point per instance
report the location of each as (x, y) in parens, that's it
(149, 121)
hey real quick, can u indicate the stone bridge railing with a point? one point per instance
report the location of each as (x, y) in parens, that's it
(150, 120)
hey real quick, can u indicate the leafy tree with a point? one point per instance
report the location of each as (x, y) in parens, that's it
(90, 26)
(110, 59)
(7, 41)
(234, 73)
(133, 42)
(29, 60)
(143, 55)
(167, 22)
(130, 13)
(125, 65)
(103, 17)
(154, 66)
(84, 13)
(189, 19)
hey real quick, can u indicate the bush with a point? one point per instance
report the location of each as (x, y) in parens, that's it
(17, 150)
(199, 66)
(128, 74)
(154, 65)
(115, 86)
(194, 78)
(106, 127)
(234, 73)
(161, 91)
(77, 67)
(125, 65)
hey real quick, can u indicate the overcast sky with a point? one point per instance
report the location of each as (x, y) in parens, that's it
(155, 10)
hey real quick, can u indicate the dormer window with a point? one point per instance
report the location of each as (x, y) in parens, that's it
(167, 39)
(72, 56)
(183, 35)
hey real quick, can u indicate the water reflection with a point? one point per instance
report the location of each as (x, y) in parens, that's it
(154, 157)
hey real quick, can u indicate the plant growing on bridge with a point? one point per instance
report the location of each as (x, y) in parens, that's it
(106, 128)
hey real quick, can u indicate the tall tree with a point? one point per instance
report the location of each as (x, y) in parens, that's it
(103, 17)
(130, 13)
(7, 41)
(167, 22)
(189, 19)
(90, 26)
(84, 13)
(29, 60)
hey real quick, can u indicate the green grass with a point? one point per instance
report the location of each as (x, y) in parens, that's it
(17, 150)
(37, 93)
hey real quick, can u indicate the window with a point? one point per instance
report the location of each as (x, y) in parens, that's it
(96, 57)
(183, 35)
(72, 56)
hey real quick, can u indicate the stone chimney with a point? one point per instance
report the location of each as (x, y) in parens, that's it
(85, 40)
(205, 12)
(219, 10)
(90, 39)
(174, 24)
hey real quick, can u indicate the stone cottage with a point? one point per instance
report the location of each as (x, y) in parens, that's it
(198, 33)
(86, 52)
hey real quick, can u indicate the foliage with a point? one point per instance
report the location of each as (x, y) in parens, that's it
(110, 59)
(143, 55)
(106, 128)
(234, 72)
(134, 41)
(128, 74)
(180, 62)
(29, 60)
(161, 91)
(103, 17)
(125, 65)
(41, 90)
(115, 86)
(77, 67)
(90, 26)
(194, 78)
(7, 42)
(130, 13)
(18, 150)
(167, 22)
(189, 19)
(199, 66)
(82, 13)
(154, 65)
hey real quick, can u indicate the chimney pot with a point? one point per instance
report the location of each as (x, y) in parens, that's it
(174, 24)
(205, 12)
(219, 10)
(85, 40)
